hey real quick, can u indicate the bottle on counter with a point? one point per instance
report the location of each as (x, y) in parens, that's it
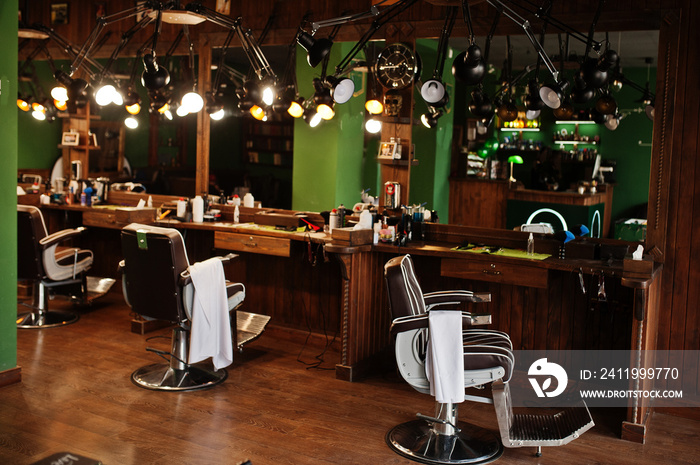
(236, 215)
(333, 220)
(248, 200)
(181, 208)
(236, 200)
(530, 245)
(198, 209)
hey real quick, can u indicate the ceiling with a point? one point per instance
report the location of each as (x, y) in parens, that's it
(633, 47)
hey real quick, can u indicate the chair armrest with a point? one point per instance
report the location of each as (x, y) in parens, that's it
(455, 297)
(60, 236)
(412, 322)
(185, 277)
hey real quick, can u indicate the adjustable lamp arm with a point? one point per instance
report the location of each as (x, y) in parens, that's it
(250, 46)
(104, 21)
(70, 51)
(525, 24)
(442, 44)
(316, 25)
(384, 17)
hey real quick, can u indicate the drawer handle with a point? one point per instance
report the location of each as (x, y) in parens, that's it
(495, 273)
(250, 243)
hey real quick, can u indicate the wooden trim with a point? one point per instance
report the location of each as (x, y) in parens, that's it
(11, 376)
(203, 120)
(664, 136)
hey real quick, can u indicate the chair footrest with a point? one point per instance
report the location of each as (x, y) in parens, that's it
(554, 429)
(249, 326)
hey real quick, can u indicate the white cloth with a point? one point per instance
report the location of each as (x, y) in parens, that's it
(444, 361)
(211, 328)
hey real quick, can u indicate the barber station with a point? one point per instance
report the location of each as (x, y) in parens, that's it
(387, 231)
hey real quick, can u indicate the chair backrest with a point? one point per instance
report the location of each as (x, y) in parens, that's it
(30, 230)
(153, 260)
(405, 294)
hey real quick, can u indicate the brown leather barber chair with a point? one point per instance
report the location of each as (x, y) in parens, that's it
(157, 285)
(51, 269)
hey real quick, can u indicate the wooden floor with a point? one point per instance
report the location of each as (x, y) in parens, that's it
(76, 396)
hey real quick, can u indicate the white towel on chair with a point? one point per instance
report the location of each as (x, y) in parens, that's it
(444, 361)
(211, 328)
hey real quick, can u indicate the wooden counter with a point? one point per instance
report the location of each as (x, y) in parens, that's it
(484, 202)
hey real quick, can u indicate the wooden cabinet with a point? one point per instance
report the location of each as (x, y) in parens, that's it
(79, 124)
(269, 142)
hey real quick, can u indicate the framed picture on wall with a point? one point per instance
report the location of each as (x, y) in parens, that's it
(70, 138)
(387, 150)
(59, 13)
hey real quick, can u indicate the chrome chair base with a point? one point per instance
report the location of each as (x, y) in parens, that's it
(416, 440)
(162, 377)
(46, 319)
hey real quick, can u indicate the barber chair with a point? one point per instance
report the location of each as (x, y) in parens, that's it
(52, 270)
(158, 285)
(488, 359)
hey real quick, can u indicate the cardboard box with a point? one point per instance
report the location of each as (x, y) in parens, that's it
(352, 236)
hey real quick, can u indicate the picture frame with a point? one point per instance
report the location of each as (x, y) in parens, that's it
(387, 150)
(59, 13)
(70, 138)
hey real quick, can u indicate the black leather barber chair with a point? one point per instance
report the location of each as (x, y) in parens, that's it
(488, 359)
(52, 270)
(158, 285)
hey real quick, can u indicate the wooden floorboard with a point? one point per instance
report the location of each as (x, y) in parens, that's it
(76, 396)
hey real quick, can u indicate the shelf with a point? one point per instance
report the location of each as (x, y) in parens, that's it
(575, 142)
(79, 147)
(391, 161)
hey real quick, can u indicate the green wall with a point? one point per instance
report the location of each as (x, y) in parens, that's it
(328, 159)
(429, 180)
(8, 182)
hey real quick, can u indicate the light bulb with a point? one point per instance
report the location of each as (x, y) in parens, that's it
(39, 115)
(217, 115)
(373, 126)
(105, 95)
(295, 110)
(60, 105)
(315, 120)
(325, 111)
(131, 122)
(257, 112)
(268, 96)
(59, 93)
(374, 107)
(193, 102)
(182, 111)
(133, 109)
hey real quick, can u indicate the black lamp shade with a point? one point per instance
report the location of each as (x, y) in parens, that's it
(469, 66)
(154, 77)
(132, 98)
(565, 110)
(317, 49)
(480, 105)
(507, 111)
(606, 104)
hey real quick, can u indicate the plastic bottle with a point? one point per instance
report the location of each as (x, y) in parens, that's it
(181, 208)
(236, 200)
(236, 215)
(333, 220)
(530, 245)
(248, 200)
(198, 209)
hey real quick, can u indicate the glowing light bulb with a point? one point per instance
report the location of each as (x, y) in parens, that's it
(373, 126)
(217, 115)
(131, 122)
(325, 111)
(193, 102)
(295, 110)
(257, 112)
(374, 107)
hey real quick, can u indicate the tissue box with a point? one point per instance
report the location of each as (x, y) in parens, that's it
(352, 236)
(638, 268)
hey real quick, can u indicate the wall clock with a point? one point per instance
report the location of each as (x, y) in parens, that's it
(397, 66)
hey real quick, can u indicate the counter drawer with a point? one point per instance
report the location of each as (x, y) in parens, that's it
(101, 219)
(496, 272)
(252, 243)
